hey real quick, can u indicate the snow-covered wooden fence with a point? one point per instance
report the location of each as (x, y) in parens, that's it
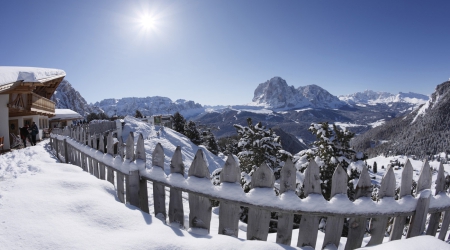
(128, 171)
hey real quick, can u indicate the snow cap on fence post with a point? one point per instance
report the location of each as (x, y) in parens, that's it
(288, 176)
(199, 167)
(263, 177)
(176, 164)
(230, 171)
(158, 156)
(311, 184)
(129, 155)
(424, 181)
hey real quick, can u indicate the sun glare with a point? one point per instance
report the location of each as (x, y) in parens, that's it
(147, 22)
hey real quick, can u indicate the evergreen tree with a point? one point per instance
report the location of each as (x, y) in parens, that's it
(332, 148)
(178, 122)
(229, 145)
(210, 142)
(138, 114)
(191, 132)
(375, 167)
(258, 145)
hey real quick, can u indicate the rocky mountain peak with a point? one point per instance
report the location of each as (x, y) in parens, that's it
(66, 97)
(275, 93)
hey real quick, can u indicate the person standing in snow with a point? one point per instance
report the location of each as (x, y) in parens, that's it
(24, 134)
(34, 132)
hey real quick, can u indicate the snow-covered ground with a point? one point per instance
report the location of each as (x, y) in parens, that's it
(45, 204)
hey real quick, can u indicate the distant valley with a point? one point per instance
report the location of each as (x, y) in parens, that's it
(276, 104)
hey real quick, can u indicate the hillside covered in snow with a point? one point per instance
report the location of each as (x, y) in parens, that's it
(169, 140)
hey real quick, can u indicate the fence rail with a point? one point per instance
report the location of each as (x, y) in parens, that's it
(125, 165)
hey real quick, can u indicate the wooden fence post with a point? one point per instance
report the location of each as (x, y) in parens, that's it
(258, 218)
(435, 217)
(101, 166)
(159, 193)
(120, 176)
(309, 225)
(335, 224)
(286, 220)
(229, 212)
(445, 224)
(94, 161)
(418, 220)
(110, 150)
(143, 193)
(176, 213)
(378, 225)
(357, 225)
(405, 189)
(132, 179)
(66, 152)
(199, 206)
(56, 148)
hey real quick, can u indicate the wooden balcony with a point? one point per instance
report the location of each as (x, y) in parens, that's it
(38, 103)
(35, 104)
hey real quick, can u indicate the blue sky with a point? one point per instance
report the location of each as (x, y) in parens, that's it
(217, 52)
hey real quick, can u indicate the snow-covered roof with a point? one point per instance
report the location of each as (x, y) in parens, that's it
(11, 74)
(66, 114)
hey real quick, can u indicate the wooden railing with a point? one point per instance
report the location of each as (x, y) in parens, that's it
(40, 103)
(127, 168)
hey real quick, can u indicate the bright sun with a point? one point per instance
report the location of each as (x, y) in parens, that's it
(147, 22)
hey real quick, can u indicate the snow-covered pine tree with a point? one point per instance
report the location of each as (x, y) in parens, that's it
(210, 142)
(191, 132)
(178, 122)
(257, 145)
(332, 147)
(229, 145)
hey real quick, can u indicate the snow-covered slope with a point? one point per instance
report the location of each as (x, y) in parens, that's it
(66, 97)
(149, 106)
(441, 95)
(422, 132)
(276, 94)
(372, 98)
(169, 139)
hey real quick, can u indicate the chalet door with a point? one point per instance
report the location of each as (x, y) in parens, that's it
(13, 128)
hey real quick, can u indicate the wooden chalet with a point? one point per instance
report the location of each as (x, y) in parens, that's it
(25, 94)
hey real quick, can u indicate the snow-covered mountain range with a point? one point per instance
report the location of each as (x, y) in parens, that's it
(149, 106)
(275, 102)
(370, 97)
(276, 94)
